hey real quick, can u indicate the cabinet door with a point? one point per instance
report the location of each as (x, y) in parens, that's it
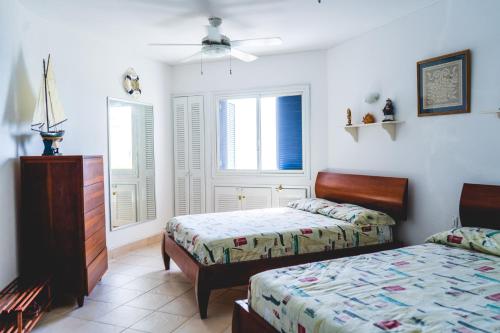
(123, 204)
(256, 198)
(196, 156)
(282, 197)
(227, 199)
(181, 158)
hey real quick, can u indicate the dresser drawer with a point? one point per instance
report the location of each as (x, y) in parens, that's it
(96, 270)
(94, 220)
(94, 245)
(93, 196)
(92, 170)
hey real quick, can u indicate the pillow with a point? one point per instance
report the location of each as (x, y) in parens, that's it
(357, 215)
(478, 239)
(310, 204)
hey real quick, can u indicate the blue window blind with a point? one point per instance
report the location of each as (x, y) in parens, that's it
(289, 132)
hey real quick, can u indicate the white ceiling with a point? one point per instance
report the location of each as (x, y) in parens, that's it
(302, 24)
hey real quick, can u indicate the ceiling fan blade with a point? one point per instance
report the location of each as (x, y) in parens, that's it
(243, 56)
(213, 34)
(172, 44)
(257, 42)
(195, 56)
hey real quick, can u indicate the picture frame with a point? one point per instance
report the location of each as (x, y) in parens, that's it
(443, 84)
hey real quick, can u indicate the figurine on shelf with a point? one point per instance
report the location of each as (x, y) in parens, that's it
(368, 119)
(349, 117)
(388, 111)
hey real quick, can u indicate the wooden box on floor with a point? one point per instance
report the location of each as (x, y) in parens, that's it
(62, 230)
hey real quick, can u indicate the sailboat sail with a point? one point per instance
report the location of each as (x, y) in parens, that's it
(49, 112)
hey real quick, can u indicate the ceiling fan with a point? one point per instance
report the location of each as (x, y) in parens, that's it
(216, 45)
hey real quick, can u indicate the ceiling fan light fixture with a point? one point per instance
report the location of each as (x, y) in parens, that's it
(215, 51)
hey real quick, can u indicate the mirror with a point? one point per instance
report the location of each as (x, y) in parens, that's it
(131, 162)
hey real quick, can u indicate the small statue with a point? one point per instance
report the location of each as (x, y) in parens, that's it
(388, 111)
(349, 117)
(368, 119)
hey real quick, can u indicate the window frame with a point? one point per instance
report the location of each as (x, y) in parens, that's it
(302, 90)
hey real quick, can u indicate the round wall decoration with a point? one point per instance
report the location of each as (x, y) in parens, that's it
(131, 83)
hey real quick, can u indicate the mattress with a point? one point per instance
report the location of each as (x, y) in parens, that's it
(221, 238)
(424, 288)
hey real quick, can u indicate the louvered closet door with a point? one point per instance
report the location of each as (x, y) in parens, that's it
(283, 197)
(227, 199)
(181, 158)
(196, 154)
(149, 157)
(124, 204)
(256, 198)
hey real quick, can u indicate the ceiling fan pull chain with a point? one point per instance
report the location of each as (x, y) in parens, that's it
(230, 63)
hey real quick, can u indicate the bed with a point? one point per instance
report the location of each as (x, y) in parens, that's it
(423, 288)
(211, 269)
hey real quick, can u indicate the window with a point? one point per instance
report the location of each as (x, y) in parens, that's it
(261, 133)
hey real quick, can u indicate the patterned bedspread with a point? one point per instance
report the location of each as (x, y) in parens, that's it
(423, 288)
(230, 237)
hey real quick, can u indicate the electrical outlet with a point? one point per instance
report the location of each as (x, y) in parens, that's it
(456, 221)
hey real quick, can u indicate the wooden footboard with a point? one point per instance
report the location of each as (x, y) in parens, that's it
(245, 320)
(208, 278)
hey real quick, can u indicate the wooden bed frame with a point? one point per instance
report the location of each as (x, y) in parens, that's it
(479, 207)
(385, 194)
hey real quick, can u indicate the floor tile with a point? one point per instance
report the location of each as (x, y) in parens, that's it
(124, 316)
(142, 284)
(59, 324)
(219, 318)
(150, 301)
(116, 279)
(173, 288)
(93, 327)
(182, 306)
(159, 322)
(100, 290)
(118, 296)
(92, 310)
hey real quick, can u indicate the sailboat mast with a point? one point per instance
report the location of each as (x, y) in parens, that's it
(45, 71)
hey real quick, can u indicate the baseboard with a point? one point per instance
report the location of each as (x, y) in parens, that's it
(121, 250)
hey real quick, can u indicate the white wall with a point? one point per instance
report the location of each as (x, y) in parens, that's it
(438, 154)
(87, 71)
(266, 72)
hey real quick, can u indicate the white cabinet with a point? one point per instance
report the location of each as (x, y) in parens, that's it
(282, 196)
(255, 198)
(189, 155)
(231, 198)
(227, 199)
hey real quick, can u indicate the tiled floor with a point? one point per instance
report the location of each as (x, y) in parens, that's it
(138, 295)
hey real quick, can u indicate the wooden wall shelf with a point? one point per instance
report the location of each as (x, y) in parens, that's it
(388, 126)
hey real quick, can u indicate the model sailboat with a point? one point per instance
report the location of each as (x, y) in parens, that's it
(49, 113)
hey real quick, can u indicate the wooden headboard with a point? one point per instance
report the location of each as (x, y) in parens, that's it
(480, 206)
(385, 194)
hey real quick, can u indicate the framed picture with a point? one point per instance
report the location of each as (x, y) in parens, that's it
(443, 84)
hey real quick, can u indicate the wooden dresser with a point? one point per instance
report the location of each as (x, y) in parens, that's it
(62, 231)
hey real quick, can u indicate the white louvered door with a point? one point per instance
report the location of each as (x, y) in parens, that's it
(227, 199)
(281, 198)
(256, 198)
(123, 204)
(181, 156)
(149, 172)
(189, 155)
(196, 153)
